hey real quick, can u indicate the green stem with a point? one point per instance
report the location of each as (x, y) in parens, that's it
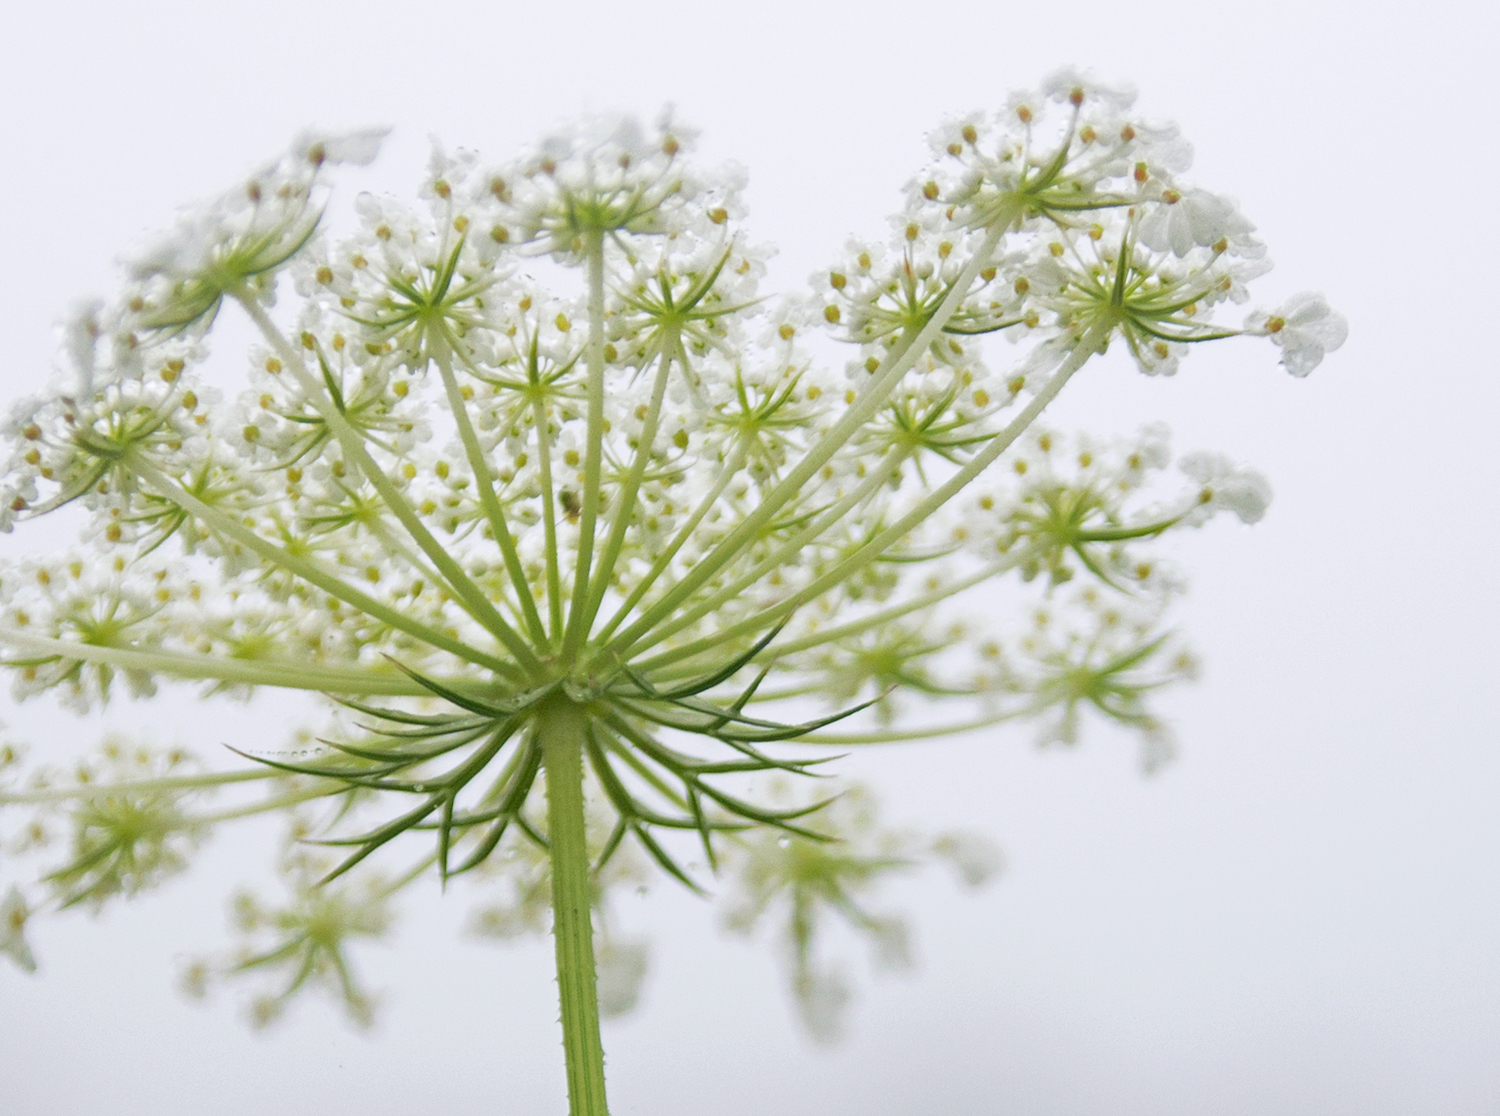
(563, 726)
(549, 518)
(169, 782)
(485, 482)
(280, 802)
(1085, 347)
(898, 736)
(883, 381)
(625, 510)
(352, 444)
(593, 461)
(369, 681)
(825, 636)
(727, 472)
(786, 553)
(310, 572)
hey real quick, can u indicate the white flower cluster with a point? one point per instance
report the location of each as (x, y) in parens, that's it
(473, 509)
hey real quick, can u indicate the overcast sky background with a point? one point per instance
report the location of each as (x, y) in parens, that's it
(1301, 916)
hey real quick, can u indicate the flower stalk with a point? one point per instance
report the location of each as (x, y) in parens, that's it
(563, 726)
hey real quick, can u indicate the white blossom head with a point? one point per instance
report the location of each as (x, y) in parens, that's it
(1304, 327)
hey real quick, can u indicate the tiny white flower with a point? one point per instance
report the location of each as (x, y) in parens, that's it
(13, 917)
(621, 968)
(1192, 218)
(1074, 86)
(1225, 485)
(1158, 748)
(1305, 327)
(975, 858)
(357, 148)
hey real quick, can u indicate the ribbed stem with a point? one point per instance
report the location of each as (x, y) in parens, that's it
(562, 726)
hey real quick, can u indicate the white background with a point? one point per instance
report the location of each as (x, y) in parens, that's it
(1301, 916)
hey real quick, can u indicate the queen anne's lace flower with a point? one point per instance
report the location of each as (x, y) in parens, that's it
(525, 538)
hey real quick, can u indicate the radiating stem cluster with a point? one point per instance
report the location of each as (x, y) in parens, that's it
(612, 549)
